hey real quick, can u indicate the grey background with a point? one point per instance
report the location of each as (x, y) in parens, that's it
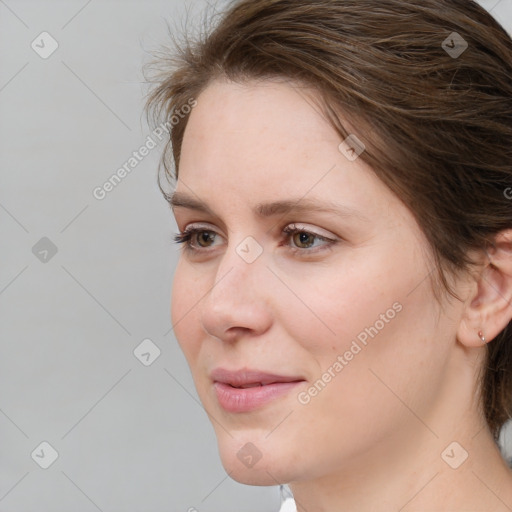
(129, 437)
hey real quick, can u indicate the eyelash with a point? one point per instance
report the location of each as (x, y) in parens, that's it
(186, 236)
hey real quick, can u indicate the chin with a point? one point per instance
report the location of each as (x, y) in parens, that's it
(253, 477)
(252, 462)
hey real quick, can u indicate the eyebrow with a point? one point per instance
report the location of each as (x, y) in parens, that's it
(274, 208)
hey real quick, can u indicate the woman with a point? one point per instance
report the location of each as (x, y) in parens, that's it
(344, 294)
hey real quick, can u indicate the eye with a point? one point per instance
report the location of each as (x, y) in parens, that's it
(189, 235)
(304, 239)
(198, 239)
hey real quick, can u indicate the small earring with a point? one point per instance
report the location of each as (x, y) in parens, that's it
(481, 335)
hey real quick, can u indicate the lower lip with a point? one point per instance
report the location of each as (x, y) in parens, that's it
(247, 399)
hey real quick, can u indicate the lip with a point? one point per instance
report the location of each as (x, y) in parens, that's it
(232, 397)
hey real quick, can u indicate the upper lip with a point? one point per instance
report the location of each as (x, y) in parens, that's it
(245, 377)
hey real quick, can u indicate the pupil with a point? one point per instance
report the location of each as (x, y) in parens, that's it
(303, 237)
(205, 236)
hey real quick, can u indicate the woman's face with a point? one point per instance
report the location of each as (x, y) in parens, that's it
(342, 308)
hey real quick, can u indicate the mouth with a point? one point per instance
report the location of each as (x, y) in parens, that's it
(247, 390)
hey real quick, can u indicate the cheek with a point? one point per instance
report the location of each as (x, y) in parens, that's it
(374, 316)
(185, 298)
(349, 300)
(386, 352)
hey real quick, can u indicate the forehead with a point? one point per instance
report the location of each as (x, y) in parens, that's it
(271, 112)
(265, 129)
(260, 142)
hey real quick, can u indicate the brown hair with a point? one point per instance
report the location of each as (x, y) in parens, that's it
(437, 126)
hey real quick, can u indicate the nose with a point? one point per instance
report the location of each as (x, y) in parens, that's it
(237, 302)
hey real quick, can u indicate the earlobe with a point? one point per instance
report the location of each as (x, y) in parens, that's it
(489, 310)
(471, 335)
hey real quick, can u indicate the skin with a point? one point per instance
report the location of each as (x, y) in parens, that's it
(372, 439)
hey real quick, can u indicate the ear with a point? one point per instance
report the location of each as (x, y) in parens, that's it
(489, 308)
